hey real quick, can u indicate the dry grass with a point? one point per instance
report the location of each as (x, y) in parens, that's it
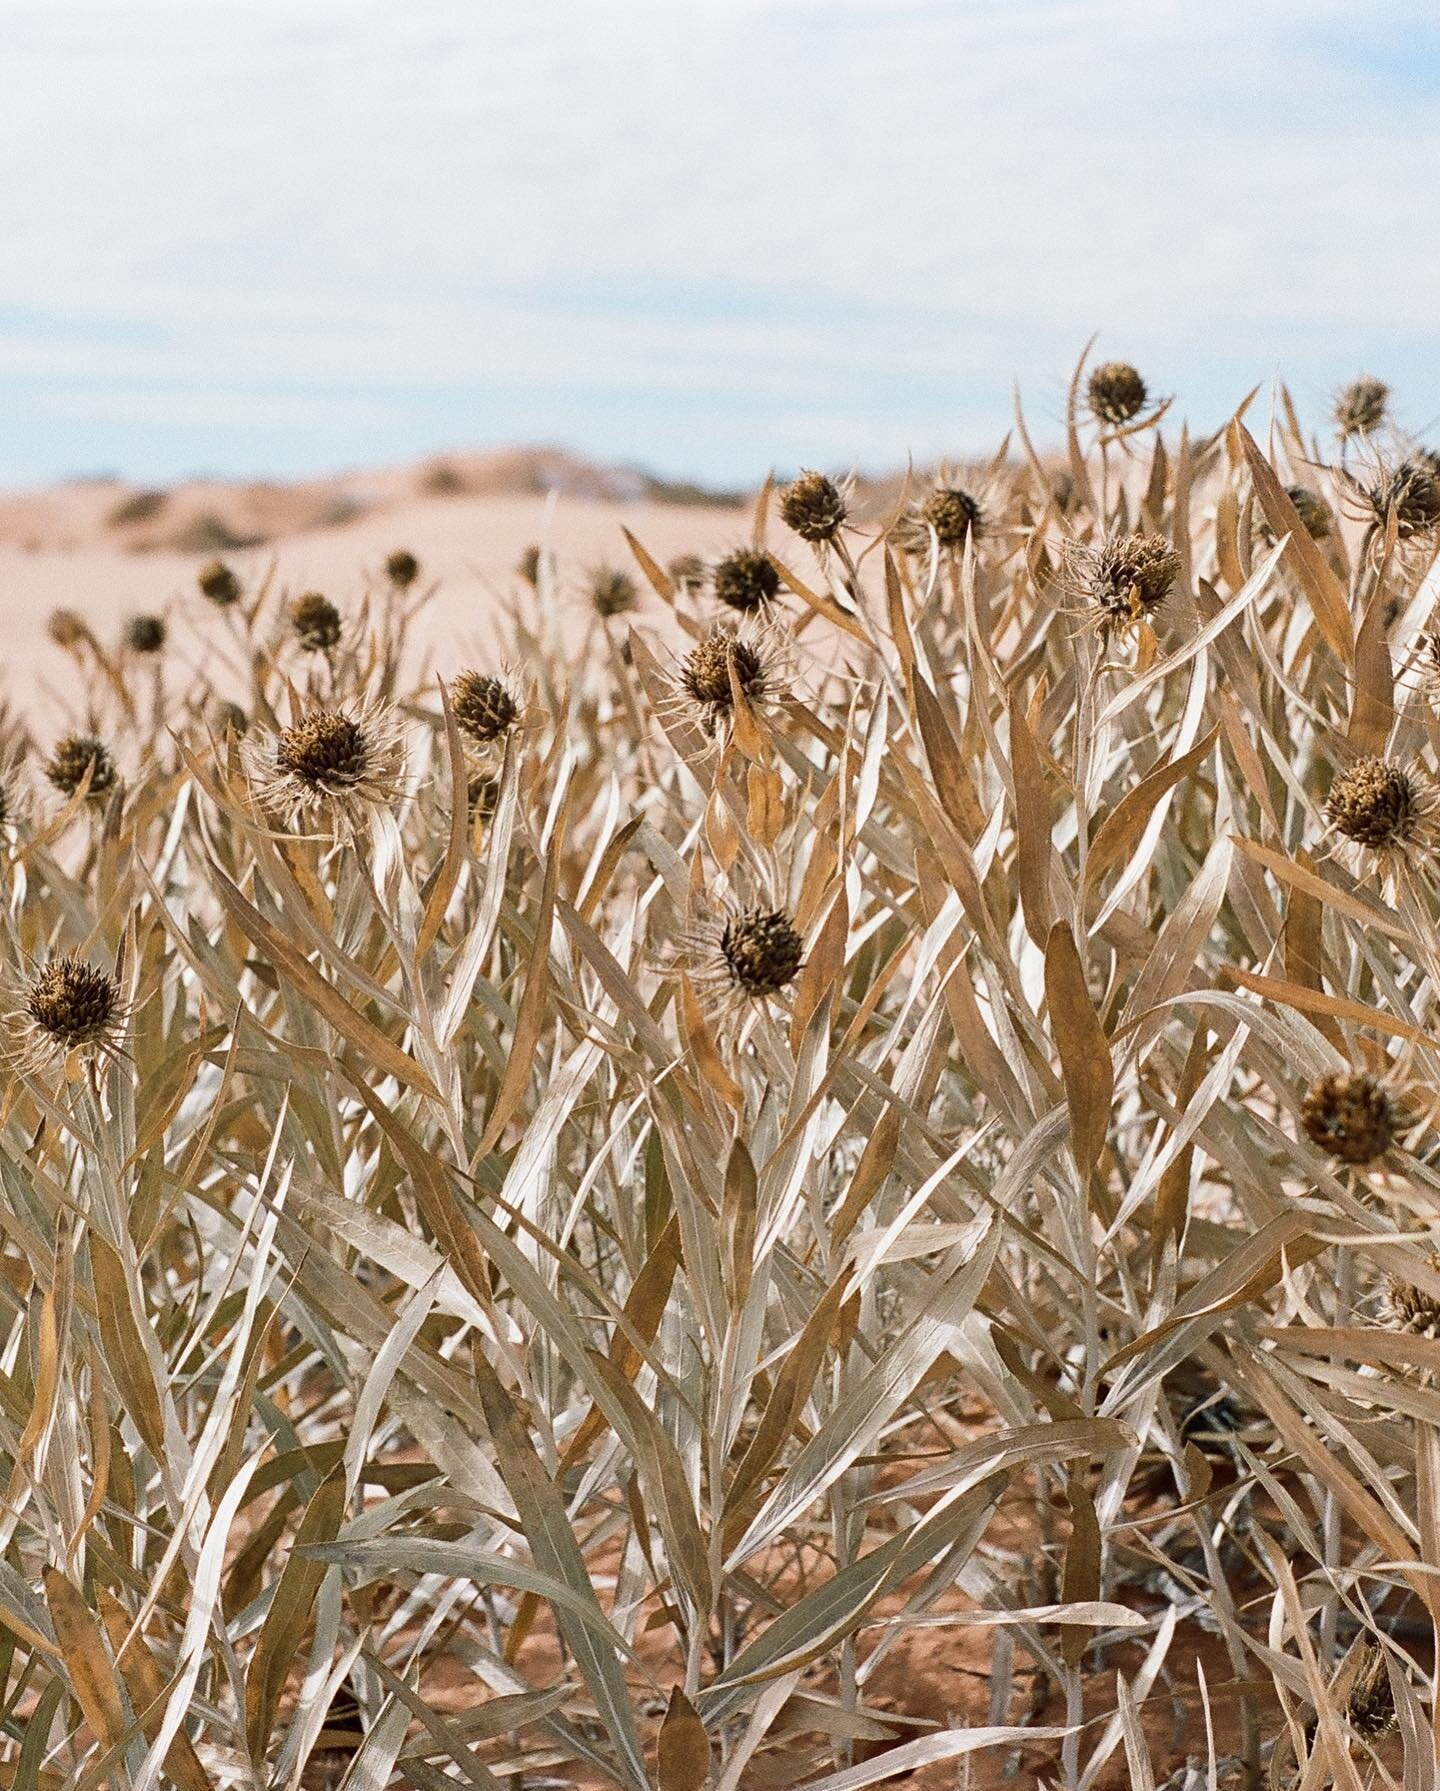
(476, 1310)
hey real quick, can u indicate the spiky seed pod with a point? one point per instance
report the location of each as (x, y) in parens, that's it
(1360, 406)
(73, 757)
(71, 1005)
(529, 566)
(1116, 393)
(613, 592)
(219, 584)
(485, 707)
(1370, 1704)
(1406, 1307)
(757, 655)
(954, 515)
(1314, 513)
(226, 717)
(315, 623)
(1127, 578)
(1410, 493)
(814, 507)
(402, 568)
(762, 951)
(746, 580)
(145, 634)
(686, 570)
(1382, 806)
(66, 627)
(333, 764)
(1350, 1115)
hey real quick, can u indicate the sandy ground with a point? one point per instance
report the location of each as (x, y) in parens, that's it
(55, 551)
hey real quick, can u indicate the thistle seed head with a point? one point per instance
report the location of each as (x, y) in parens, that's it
(746, 580)
(333, 762)
(73, 757)
(1377, 804)
(315, 622)
(226, 716)
(66, 627)
(1411, 493)
(529, 566)
(953, 514)
(327, 750)
(1370, 1704)
(762, 951)
(1350, 1115)
(482, 795)
(613, 592)
(1406, 1307)
(1314, 513)
(402, 569)
(1360, 406)
(814, 507)
(71, 1004)
(686, 570)
(1116, 393)
(145, 634)
(1128, 577)
(706, 671)
(485, 707)
(219, 584)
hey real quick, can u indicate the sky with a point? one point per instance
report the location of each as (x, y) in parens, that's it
(704, 236)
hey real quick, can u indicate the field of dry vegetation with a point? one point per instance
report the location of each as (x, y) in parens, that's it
(826, 1177)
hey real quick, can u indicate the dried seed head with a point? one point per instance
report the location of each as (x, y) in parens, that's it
(73, 757)
(746, 579)
(1350, 1115)
(402, 568)
(1360, 406)
(1370, 1705)
(1116, 393)
(814, 507)
(226, 717)
(72, 1004)
(334, 762)
(145, 634)
(1406, 1307)
(706, 671)
(953, 514)
(1378, 804)
(485, 707)
(219, 584)
(613, 592)
(529, 565)
(482, 794)
(1313, 511)
(1411, 493)
(1128, 578)
(686, 569)
(762, 951)
(315, 622)
(66, 627)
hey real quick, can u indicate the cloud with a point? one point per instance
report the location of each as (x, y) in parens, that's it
(774, 216)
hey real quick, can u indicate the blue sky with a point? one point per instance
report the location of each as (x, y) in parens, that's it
(708, 236)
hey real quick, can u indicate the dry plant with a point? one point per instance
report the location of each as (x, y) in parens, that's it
(565, 1223)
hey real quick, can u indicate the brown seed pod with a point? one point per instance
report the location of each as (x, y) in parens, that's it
(315, 623)
(485, 707)
(1360, 407)
(219, 584)
(402, 568)
(1126, 579)
(1350, 1115)
(70, 1004)
(613, 592)
(814, 507)
(746, 580)
(1380, 805)
(334, 763)
(1116, 393)
(74, 756)
(145, 634)
(762, 951)
(66, 627)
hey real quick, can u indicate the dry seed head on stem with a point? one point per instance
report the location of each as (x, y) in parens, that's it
(1370, 1703)
(814, 507)
(1406, 1307)
(1125, 580)
(1116, 393)
(315, 623)
(66, 627)
(742, 957)
(1410, 493)
(73, 756)
(70, 1005)
(1351, 1115)
(947, 514)
(687, 570)
(528, 565)
(745, 580)
(755, 657)
(485, 707)
(402, 568)
(330, 766)
(1384, 807)
(612, 591)
(1360, 407)
(219, 584)
(145, 634)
